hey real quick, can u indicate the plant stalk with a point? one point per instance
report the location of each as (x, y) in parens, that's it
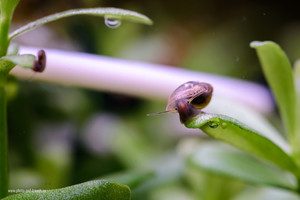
(4, 29)
(3, 141)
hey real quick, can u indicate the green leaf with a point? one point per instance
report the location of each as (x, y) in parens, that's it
(249, 117)
(25, 60)
(8, 7)
(5, 67)
(13, 49)
(113, 13)
(98, 189)
(221, 160)
(278, 72)
(241, 136)
(267, 193)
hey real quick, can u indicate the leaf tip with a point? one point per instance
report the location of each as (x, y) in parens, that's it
(149, 21)
(256, 44)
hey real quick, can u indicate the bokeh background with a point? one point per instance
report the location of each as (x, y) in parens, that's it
(61, 135)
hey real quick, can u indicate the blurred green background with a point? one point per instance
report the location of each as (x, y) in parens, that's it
(60, 135)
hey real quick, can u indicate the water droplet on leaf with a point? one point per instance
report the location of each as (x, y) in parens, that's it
(224, 125)
(112, 22)
(213, 123)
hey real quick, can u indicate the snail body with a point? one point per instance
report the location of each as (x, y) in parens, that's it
(188, 99)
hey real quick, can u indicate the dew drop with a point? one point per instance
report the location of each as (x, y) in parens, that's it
(112, 22)
(223, 125)
(213, 124)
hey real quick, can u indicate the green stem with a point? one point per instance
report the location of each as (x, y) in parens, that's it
(5, 67)
(7, 8)
(3, 140)
(4, 29)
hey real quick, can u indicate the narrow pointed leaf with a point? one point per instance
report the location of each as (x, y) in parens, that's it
(25, 60)
(278, 72)
(99, 189)
(119, 14)
(217, 159)
(239, 135)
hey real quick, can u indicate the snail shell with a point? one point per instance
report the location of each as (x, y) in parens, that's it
(188, 99)
(198, 94)
(40, 63)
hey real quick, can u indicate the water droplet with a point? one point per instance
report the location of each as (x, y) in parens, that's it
(112, 22)
(213, 123)
(224, 125)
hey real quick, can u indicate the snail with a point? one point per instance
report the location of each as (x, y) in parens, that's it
(40, 64)
(188, 99)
